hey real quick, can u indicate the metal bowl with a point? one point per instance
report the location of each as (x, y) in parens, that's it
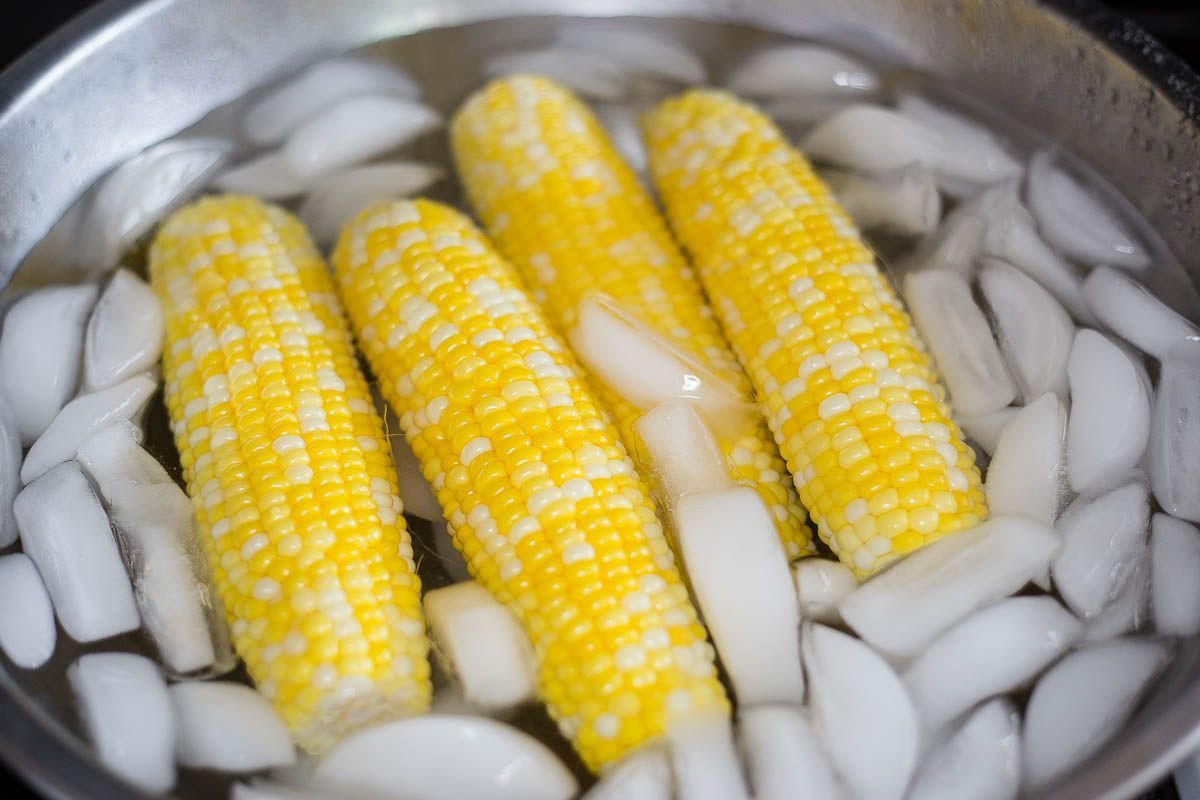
(130, 73)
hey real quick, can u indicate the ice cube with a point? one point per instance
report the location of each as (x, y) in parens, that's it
(590, 74)
(288, 106)
(1076, 221)
(705, 760)
(904, 201)
(799, 114)
(872, 139)
(958, 241)
(27, 632)
(1103, 536)
(647, 370)
(135, 196)
(981, 760)
(639, 52)
(1174, 452)
(355, 130)
(82, 417)
(1012, 237)
(960, 340)
(1034, 331)
(681, 457)
(744, 591)
(161, 543)
(415, 492)
(482, 643)
(985, 430)
(1128, 309)
(991, 652)
(1130, 610)
(644, 774)
(974, 158)
(784, 756)
(41, 348)
(1028, 474)
(801, 69)
(862, 712)
(1175, 576)
(901, 610)
(65, 532)
(334, 200)
(127, 712)
(268, 176)
(10, 472)
(1109, 424)
(436, 756)
(820, 585)
(1082, 701)
(620, 122)
(228, 727)
(124, 335)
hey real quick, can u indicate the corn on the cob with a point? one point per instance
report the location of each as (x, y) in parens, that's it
(288, 468)
(542, 499)
(849, 390)
(564, 208)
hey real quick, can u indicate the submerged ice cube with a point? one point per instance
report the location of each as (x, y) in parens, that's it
(1027, 474)
(801, 69)
(228, 727)
(1082, 701)
(862, 712)
(1103, 537)
(985, 430)
(989, 653)
(705, 760)
(10, 472)
(981, 760)
(27, 631)
(1129, 310)
(41, 348)
(974, 158)
(681, 457)
(333, 201)
(1175, 576)
(590, 74)
(65, 532)
(1035, 332)
(1174, 451)
(1077, 222)
(960, 340)
(821, 584)
(300, 98)
(783, 755)
(901, 610)
(644, 774)
(128, 715)
(638, 51)
(1109, 423)
(162, 546)
(904, 201)
(125, 333)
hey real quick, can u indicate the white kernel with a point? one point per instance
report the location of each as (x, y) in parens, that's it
(522, 528)
(298, 474)
(844, 366)
(863, 559)
(656, 639)
(255, 543)
(937, 431)
(290, 545)
(510, 569)
(324, 676)
(841, 350)
(368, 443)
(486, 337)
(947, 452)
(518, 389)
(441, 334)
(435, 408)
(799, 286)
(267, 589)
(540, 500)
(518, 333)
(606, 726)
(833, 405)
(888, 377)
(652, 584)
(957, 479)
(347, 627)
(875, 359)
(220, 528)
(558, 400)
(285, 443)
(577, 489)
(631, 656)
(581, 551)
(855, 510)
(903, 412)
(792, 389)
(232, 334)
(864, 391)
(679, 701)
(788, 324)
(909, 428)
(266, 355)
(473, 448)
(810, 365)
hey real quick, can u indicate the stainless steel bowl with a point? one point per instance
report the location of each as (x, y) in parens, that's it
(131, 73)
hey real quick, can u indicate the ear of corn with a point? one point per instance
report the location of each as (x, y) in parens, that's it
(848, 388)
(541, 497)
(288, 468)
(563, 207)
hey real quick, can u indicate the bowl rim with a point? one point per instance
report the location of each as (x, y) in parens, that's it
(31, 740)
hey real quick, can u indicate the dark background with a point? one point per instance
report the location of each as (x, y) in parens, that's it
(1176, 23)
